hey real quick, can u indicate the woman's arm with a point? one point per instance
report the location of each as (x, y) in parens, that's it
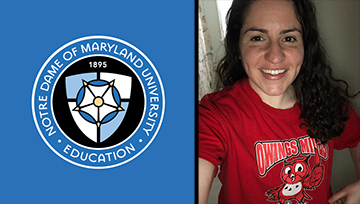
(351, 192)
(206, 177)
(355, 155)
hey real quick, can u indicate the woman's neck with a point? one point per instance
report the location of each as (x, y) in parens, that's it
(286, 100)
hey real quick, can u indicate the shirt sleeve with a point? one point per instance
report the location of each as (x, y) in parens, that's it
(351, 135)
(212, 136)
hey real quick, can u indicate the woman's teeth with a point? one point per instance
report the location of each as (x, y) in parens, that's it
(273, 72)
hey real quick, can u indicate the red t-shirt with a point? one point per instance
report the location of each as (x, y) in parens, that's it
(264, 155)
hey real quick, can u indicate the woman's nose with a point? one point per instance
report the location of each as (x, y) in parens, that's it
(274, 53)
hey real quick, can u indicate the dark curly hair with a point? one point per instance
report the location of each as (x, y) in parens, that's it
(323, 100)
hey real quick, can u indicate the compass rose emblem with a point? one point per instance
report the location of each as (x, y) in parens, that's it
(98, 101)
(98, 106)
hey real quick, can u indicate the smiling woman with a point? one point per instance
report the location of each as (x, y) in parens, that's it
(272, 51)
(279, 92)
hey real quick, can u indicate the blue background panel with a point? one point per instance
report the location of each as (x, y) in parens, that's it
(30, 32)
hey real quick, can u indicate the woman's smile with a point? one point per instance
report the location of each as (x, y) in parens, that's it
(273, 72)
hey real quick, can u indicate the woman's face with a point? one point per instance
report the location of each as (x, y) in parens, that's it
(271, 46)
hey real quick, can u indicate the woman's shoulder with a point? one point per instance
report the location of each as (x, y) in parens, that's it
(226, 95)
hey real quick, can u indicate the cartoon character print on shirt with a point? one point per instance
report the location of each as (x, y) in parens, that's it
(297, 177)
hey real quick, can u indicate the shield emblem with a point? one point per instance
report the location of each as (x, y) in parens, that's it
(98, 102)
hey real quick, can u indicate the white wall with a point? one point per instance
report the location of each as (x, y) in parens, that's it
(339, 22)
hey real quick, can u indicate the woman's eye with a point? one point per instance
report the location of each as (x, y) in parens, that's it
(257, 38)
(289, 39)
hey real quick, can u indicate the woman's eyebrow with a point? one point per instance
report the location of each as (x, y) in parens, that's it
(256, 29)
(290, 30)
(266, 31)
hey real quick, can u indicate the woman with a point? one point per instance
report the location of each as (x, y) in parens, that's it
(274, 127)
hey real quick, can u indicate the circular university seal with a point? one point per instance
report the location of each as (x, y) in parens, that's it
(98, 102)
